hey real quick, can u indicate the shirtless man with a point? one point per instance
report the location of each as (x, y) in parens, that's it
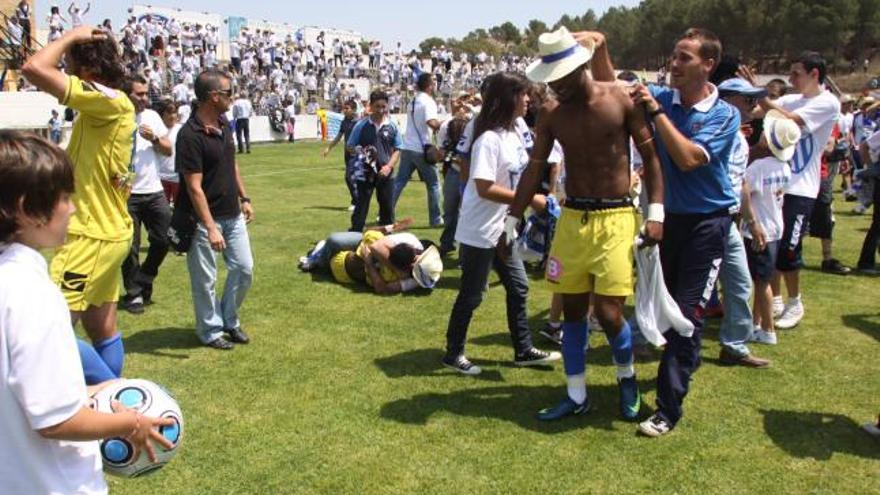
(592, 250)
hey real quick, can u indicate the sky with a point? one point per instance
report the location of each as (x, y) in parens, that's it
(389, 21)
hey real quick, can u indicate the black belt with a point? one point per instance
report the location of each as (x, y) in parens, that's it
(587, 205)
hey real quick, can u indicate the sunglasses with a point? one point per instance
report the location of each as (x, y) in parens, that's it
(225, 92)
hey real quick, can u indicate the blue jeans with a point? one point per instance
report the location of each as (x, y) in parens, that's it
(336, 243)
(451, 203)
(214, 314)
(737, 284)
(415, 160)
(476, 263)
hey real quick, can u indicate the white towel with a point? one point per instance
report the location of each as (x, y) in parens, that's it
(656, 310)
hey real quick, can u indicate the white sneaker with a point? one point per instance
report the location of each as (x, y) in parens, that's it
(778, 307)
(791, 316)
(762, 336)
(654, 427)
(350, 207)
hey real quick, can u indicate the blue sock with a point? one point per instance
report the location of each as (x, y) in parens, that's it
(574, 338)
(621, 346)
(112, 352)
(94, 368)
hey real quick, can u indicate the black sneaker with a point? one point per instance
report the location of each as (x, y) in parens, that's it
(134, 305)
(220, 344)
(237, 335)
(835, 266)
(462, 365)
(536, 357)
(553, 334)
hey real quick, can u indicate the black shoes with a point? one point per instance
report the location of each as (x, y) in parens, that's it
(221, 344)
(237, 335)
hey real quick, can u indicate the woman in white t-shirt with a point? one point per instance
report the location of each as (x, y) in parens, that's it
(498, 157)
(48, 431)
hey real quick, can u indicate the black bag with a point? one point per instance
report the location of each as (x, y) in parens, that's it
(182, 229)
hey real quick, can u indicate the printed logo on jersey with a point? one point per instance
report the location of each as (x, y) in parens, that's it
(803, 154)
(554, 269)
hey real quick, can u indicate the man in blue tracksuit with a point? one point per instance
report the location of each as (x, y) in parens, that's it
(695, 134)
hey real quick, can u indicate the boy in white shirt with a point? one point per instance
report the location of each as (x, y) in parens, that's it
(767, 179)
(48, 431)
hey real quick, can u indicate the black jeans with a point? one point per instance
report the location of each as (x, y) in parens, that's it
(867, 259)
(384, 188)
(691, 255)
(153, 212)
(475, 266)
(243, 129)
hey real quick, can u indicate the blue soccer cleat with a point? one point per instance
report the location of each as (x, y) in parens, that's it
(630, 400)
(565, 408)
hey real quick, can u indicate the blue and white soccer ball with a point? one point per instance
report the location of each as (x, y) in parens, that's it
(150, 400)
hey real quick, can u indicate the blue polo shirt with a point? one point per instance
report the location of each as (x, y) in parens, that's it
(385, 137)
(711, 124)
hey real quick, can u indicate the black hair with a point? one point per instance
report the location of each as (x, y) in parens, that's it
(34, 173)
(162, 106)
(725, 70)
(424, 81)
(810, 61)
(376, 96)
(207, 82)
(402, 256)
(499, 106)
(131, 80)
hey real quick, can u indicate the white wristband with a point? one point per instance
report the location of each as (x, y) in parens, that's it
(655, 213)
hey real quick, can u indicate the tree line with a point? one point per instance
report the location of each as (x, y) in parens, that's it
(765, 32)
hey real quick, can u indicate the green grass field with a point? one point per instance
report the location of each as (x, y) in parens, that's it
(341, 391)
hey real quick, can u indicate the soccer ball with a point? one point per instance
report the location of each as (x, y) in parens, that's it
(150, 400)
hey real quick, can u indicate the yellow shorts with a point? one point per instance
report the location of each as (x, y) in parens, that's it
(593, 257)
(337, 268)
(88, 271)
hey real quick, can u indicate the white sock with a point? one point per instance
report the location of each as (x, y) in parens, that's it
(625, 371)
(794, 300)
(554, 324)
(777, 299)
(577, 387)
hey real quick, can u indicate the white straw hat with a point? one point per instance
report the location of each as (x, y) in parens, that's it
(427, 268)
(559, 54)
(782, 134)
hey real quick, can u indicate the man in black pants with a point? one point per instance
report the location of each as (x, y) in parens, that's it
(349, 109)
(147, 203)
(695, 133)
(375, 143)
(867, 258)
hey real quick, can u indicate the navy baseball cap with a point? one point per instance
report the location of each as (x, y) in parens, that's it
(739, 86)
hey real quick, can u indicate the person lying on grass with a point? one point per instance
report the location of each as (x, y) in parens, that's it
(384, 258)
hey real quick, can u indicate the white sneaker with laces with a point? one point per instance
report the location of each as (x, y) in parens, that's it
(778, 307)
(762, 336)
(792, 315)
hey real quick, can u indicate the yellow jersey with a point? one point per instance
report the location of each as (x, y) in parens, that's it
(101, 148)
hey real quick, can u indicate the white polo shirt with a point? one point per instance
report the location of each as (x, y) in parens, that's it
(145, 159)
(41, 383)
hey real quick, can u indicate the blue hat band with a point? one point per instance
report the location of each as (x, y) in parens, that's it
(556, 57)
(773, 137)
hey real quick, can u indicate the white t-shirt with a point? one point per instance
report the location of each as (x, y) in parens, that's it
(819, 114)
(521, 128)
(242, 108)
(146, 161)
(767, 179)
(500, 157)
(167, 171)
(422, 109)
(41, 383)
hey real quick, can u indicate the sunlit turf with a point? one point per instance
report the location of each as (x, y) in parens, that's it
(341, 391)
